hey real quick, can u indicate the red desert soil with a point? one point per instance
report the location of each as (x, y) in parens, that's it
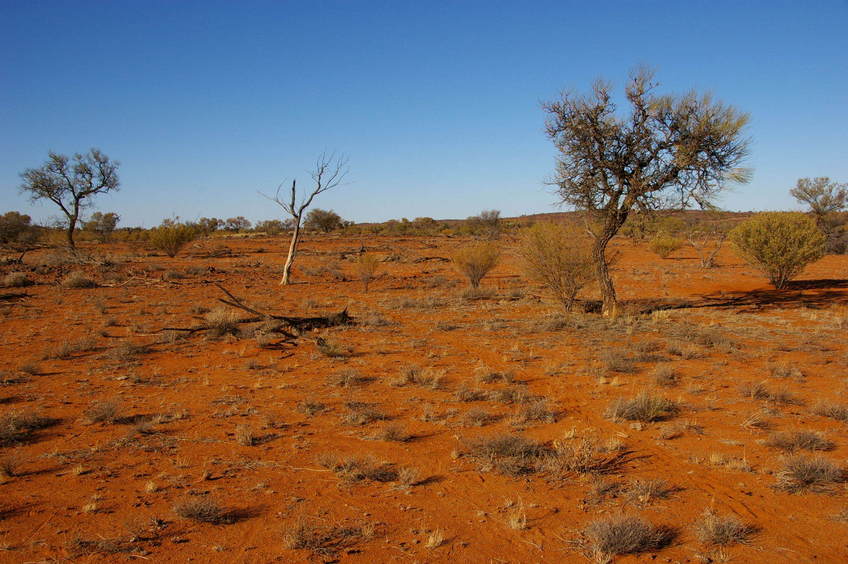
(267, 429)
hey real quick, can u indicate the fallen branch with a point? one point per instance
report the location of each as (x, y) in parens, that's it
(298, 324)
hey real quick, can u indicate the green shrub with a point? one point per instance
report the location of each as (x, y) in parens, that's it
(475, 261)
(663, 245)
(560, 258)
(780, 244)
(170, 237)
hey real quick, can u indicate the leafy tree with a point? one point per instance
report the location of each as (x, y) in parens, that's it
(208, 225)
(329, 172)
(781, 244)
(237, 224)
(667, 151)
(71, 183)
(15, 227)
(488, 223)
(826, 200)
(102, 224)
(323, 220)
(274, 226)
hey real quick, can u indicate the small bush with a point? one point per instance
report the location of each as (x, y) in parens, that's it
(171, 237)
(17, 280)
(78, 280)
(625, 534)
(780, 244)
(560, 258)
(663, 245)
(717, 530)
(802, 473)
(475, 261)
(644, 407)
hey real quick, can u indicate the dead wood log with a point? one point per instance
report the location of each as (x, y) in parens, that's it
(288, 326)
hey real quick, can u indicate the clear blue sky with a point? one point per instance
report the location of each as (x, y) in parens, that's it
(436, 103)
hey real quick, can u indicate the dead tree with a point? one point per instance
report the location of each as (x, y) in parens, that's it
(707, 245)
(329, 172)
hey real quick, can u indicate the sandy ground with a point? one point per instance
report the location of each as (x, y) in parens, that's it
(358, 442)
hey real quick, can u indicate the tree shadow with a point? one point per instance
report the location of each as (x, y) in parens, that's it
(812, 294)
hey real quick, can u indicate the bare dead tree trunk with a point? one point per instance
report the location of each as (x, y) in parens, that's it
(328, 173)
(292, 251)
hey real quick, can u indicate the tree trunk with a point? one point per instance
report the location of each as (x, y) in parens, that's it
(610, 301)
(72, 224)
(292, 251)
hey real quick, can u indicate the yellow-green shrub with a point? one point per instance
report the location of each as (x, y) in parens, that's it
(560, 257)
(475, 261)
(170, 237)
(664, 244)
(780, 244)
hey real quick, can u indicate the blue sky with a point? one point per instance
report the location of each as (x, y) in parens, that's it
(435, 103)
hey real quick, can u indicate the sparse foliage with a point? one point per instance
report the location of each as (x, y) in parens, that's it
(668, 151)
(560, 258)
(826, 199)
(329, 172)
(71, 183)
(102, 225)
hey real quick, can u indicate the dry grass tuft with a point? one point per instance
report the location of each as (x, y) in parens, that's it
(722, 530)
(623, 534)
(78, 279)
(359, 413)
(644, 407)
(348, 379)
(16, 280)
(222, 321)
(325, 540)
(202, 509)
(534, 412)
(352, 470)
(799, 440)
(816, 474)
(415, 376)
(102, 412)
(18, 427)
(832, 410)
(646, 491)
